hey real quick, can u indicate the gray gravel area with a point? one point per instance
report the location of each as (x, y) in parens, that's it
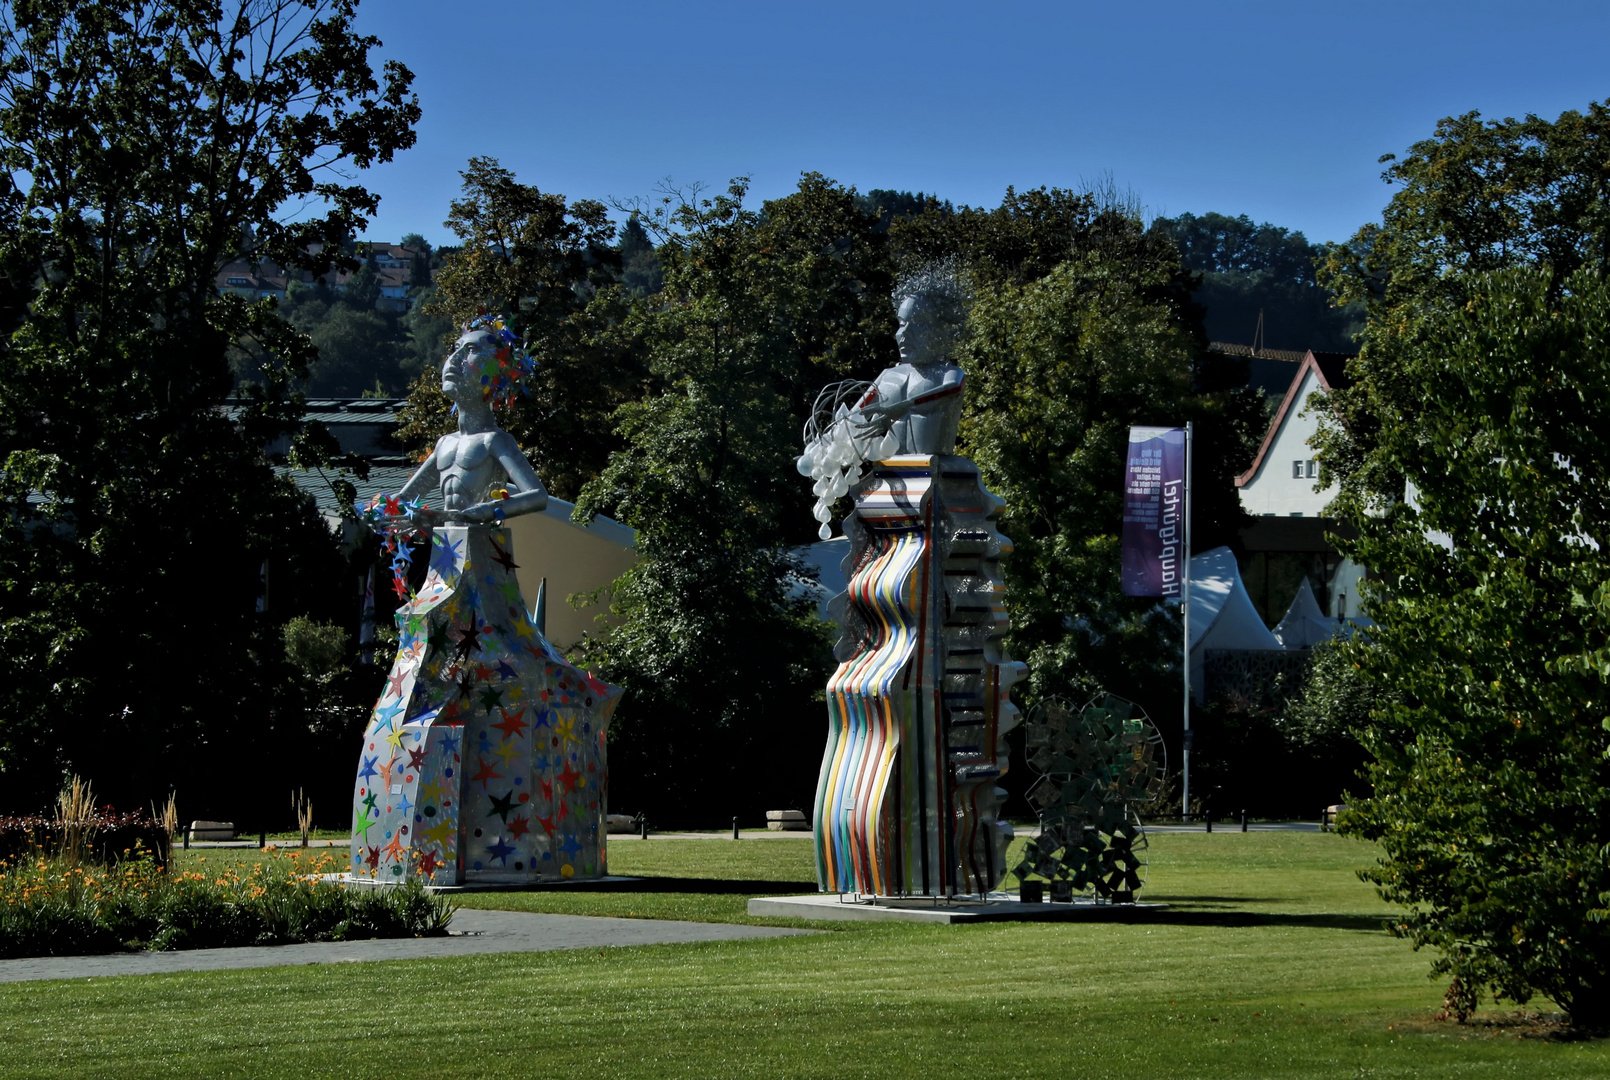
(476, 932)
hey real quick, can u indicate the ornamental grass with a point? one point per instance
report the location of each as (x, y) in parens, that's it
(51, 905)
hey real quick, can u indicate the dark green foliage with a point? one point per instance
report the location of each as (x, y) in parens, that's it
(1491, 788)
(1483, 383)
(139, 515)
(113, 838)
(1249, 268)
(1291, 749)
(549, 267)
(724, 665)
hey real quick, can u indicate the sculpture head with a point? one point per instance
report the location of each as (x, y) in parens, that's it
(932, 308)
(485, 364)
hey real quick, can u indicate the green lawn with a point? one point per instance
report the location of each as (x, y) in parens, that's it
(1268, 964)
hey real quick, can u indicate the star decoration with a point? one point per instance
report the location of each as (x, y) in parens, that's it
(511, 725)
(507, 751)
(571, 847)
(394, 681)
(547, 824)
(364, 823)
(501, 851)
(416, 758)
(502, 805)
(445, 554)
(570, 778)
(428, 863)
(485, 774)
(490, 697)
(503, 559)
(518, 827)
(431, 792)
(394, 850)
(438, 833)
(368, 772)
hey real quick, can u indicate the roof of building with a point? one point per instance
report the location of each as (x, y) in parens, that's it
(1329, 369)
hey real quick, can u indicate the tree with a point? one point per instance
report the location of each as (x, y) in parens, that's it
(1482, 383)
(139, 141)
(1248, 270)
(550, 268)
(723, 656)
(1065, 355)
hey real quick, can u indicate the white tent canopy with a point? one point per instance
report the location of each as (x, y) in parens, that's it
(1222, 615)
(1305, 625)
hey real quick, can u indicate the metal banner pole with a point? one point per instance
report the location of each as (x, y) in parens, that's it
(1185, 644)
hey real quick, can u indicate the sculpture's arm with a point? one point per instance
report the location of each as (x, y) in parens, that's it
(426, 479)
(894, 408)
(526, 493)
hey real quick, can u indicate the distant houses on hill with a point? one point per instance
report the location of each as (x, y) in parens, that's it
(393, 263)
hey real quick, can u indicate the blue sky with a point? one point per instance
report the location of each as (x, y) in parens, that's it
(1278, 111)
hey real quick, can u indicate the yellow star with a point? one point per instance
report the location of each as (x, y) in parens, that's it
(394, 737)
(432, 792)
(437, 833)
(506, 751)
(524, 629)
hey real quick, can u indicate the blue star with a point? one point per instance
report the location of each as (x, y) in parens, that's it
(541, 764)
(472, 597)
(506, 670)
(386, 714)
(502, 851)
(405, 554)
(444, 556)
(403, 805)
(571, 847)
(450, 743)
(543, 716)
(368, 772)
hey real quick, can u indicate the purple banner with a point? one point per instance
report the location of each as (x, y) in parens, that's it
(1154, 512)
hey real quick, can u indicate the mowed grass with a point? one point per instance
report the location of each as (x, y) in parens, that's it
(1270, 963)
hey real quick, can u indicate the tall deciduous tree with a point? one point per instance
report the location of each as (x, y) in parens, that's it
(549, 267)
(724, 658)
(141, 141)
(1483, 382)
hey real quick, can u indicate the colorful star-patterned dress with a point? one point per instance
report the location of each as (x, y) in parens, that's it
(484, 759)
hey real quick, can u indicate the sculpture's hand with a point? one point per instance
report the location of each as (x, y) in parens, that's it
(425, 517)
(479, 514)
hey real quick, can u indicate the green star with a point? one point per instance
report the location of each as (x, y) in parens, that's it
(491, 696)
(511, 592)
(369, 800)
(364, 824)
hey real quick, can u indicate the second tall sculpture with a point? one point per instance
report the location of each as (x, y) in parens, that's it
(918, 708)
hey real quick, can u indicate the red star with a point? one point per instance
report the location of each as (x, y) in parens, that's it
(373, 858)
(547, 790)
(547, 824)
(429, 862)
(518, 827)
(569, 778)
(485, 774)
(416, 759)
(511, 725)
(395, 679)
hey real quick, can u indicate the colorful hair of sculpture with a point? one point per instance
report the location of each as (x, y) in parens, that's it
(503, 368)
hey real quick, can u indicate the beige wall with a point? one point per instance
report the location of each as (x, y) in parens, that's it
(574, 560)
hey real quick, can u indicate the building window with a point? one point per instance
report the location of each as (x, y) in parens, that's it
(1296, 513)
(1296, 470)
(1313, 469)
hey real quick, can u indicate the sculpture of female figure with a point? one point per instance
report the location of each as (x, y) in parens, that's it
(918, 708)
(484, 759)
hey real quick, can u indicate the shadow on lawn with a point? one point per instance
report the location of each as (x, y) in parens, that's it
(707, 886)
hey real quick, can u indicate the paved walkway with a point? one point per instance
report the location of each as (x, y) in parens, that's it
(475, 932)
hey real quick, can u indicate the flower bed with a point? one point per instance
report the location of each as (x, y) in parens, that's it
(49, 907)
(103, 835)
